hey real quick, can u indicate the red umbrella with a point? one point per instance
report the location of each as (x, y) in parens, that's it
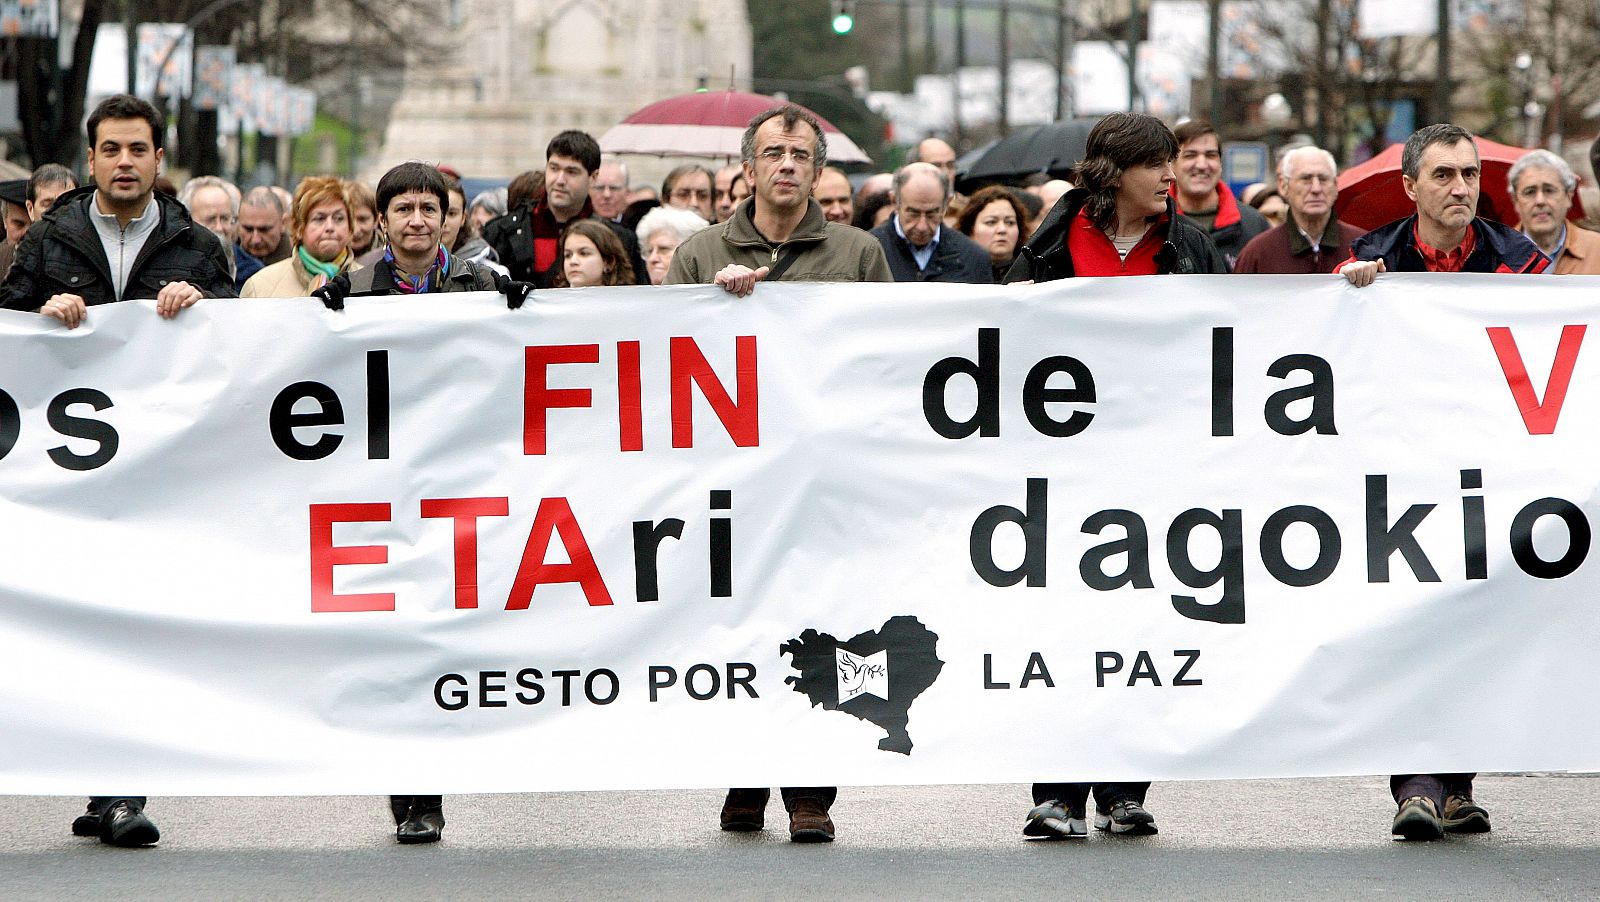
(708, 124)
(1370, 195)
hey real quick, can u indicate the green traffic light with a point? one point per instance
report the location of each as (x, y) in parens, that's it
(842, 23)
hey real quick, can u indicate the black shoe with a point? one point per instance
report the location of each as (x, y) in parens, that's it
(745, 810)
(424, 824)
(1126, 817)
(125, 824)
(1462, 815)
(88, 823)
(1052, 820)
(1418, 819)
(400, 806)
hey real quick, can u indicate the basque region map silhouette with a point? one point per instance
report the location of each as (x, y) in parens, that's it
(913, 666)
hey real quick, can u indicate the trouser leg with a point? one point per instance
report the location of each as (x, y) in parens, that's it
(99, 804)
(823, 794)
(1429, 786)
(1073, 795)
(1108, 794)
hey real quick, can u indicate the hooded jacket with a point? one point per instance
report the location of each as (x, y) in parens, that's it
(1185, 247)
(62, 254)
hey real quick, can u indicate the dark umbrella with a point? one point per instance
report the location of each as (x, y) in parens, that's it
(1052, 149)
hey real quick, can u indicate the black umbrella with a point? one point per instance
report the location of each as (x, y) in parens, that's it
(1052, 149)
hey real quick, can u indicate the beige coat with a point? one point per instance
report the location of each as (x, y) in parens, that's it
(1581, 256)
(284, 279)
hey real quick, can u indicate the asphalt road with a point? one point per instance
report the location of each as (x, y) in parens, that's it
(1266, 839)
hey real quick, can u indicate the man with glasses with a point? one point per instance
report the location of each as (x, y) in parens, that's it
(609, 192)
(214, 203)
(917, 243)
(781, 234)
(688, 187)
(1311, 239)
(1541, 186)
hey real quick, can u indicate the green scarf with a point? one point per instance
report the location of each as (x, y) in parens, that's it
(321, 273)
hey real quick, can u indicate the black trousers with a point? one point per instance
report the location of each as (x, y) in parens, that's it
(791, 794)
(1430, 786)
(99, 804)
(1076, 795)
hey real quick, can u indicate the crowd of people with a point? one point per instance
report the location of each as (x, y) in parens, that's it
(1146, 200)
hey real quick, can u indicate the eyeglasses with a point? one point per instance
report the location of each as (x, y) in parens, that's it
(1532, 191)
(800, 155)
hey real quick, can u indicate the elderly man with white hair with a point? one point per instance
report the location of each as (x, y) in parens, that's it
(660, 232)
(1311, 239)
(1541, 186)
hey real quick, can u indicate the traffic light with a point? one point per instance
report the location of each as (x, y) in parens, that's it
(844, 16)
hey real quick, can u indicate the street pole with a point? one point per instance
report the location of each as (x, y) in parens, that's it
(1132, 36)
(1005, 68)
(905, 46)
(130, 27)
(1063, 60)
(955, 74)
(1441, 85)
(1214, 60)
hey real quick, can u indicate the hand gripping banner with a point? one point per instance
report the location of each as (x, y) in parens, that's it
(1167, 528)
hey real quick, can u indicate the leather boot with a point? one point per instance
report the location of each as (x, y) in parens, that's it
(424, 823)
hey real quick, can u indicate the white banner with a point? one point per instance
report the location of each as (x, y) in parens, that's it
(1173, 528)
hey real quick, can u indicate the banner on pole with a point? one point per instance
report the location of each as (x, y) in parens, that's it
(1186, 527)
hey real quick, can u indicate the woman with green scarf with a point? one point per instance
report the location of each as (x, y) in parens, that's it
(320, 229)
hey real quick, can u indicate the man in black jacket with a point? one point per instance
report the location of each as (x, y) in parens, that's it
(527, 240)
(113, 240)
(1204, 197)
(920, 248)
(117, 239)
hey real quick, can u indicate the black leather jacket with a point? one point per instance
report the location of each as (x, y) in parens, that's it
(62, 254)
(1185, 247)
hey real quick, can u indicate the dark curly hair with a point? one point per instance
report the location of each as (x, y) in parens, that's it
(1117, 143)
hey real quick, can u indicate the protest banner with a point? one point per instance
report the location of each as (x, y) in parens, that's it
(1175, 528)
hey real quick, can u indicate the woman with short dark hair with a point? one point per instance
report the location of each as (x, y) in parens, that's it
(1120, 221)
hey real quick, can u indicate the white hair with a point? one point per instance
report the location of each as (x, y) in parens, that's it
(1283, 164)
(199, 183)
(1543, 159)
(681, 222)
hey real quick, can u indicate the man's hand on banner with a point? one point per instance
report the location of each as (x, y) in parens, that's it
(174, 296)
(740, 280)
(1363, 272)
(333, 292)
(69, 308)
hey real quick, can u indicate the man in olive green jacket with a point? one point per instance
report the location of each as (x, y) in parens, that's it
(779, 232)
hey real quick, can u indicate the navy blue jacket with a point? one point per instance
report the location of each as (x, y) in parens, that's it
(1500, 248)
(956, 258)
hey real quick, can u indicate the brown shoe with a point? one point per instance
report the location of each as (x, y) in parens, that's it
(1462, 815)
(809, 822)
(745, 810)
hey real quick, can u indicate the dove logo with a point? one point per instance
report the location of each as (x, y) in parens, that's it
(862, 675)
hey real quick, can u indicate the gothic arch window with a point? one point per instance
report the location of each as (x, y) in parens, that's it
(580, 36)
